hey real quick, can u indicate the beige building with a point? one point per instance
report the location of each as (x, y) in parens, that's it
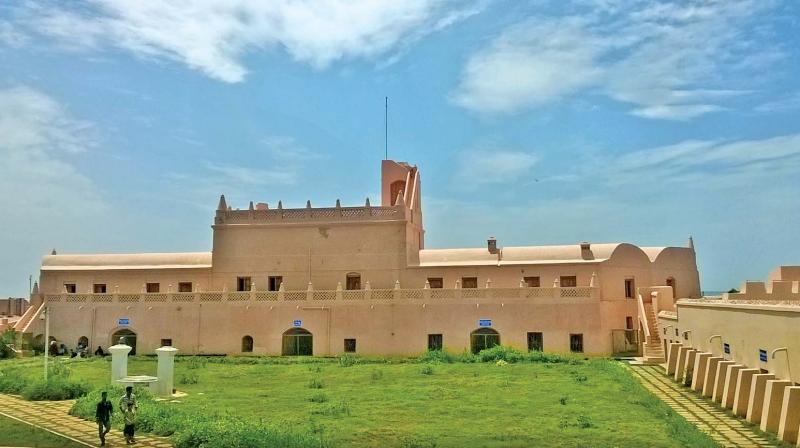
(329, 280)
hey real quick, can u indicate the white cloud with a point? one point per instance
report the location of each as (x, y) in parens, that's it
(286, 150)
(485, 166)
(240, 175)
(669, 60)
(213, 36)
(44, 194)
(785, 103)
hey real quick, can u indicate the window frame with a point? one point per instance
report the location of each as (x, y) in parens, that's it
(100, 286)
(350, 345)
(471, 279)
(432, 339)
(532, 281)
(575, 340)
(531, 337)
(436, 282)
(274, 282)
(572, 279)
(244, 283)
(74, 288)
(355, 278)
(164, 342)
(251, 343)
(149, 285)
(182, 284)
(630, 288)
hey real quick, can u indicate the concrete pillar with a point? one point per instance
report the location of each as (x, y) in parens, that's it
(742, 393)
(790, 415)
(166, 370)
(688, 366)
(711, 374)
(672, 357)
(699, 371)
(681, 362)
(719, 380)
(773, 404)
(729, 387)
(756, 401)
(119, 361)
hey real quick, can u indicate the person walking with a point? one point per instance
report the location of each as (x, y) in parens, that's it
(103, 417)
(128, 406)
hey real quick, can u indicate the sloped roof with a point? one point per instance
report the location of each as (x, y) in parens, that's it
(78, 262)
(517, 255)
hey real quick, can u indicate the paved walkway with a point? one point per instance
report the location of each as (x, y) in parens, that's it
(53, 416)
(728, 431)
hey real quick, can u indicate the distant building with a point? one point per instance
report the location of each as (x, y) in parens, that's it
(333, 280)
(13, 306)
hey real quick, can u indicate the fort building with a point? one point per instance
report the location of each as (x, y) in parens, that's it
(330, 280)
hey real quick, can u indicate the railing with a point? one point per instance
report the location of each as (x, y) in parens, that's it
(643, 319)
(433, 294)
(310, 214)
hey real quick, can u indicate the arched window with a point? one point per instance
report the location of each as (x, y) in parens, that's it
(353, 281)
(247, 344)
(130, 339)
(395, 189)
(83, 341)
(483, 338)
(298, 342)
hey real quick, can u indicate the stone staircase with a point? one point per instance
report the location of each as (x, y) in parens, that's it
(653, 350)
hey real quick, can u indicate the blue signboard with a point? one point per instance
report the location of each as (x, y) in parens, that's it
(727, 348)
(762, 355)
(124, 321)
(298, 323)
(484, 322)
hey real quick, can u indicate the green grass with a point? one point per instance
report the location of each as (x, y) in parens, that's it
(405, 403)
(14, 433)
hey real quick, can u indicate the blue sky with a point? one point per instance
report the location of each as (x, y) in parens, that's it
(542, 122)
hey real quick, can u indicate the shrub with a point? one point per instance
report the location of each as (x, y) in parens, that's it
(584, 421)
(12, 380)
(414, 442)
(500, 353)
(196, 362)
(426, 370)
(348, 360)
(436, 357)
(188, 378)
(563, 401)
(315, 384)
(318, 398)
(8, 338)
(466, 357)
(55, 388)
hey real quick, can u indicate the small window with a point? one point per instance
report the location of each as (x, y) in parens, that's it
(99, 288)
(436, 282)
(166, 342)
(677, 333)
(686, 335)
(629, 322)
(629, 288)
(671, 284)
(535, 341)
(349, 345)
(153, 287)
(469, 282)
(243, 283)
(568, 281)
(185, 287)
(274, 283)
(576, 343)
(247, 344)
(435, 342)
(532, 282)
(353, 281)
(70, 288)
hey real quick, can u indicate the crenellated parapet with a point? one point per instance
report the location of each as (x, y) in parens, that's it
(262, 214)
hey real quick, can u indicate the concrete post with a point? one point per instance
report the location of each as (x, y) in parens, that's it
(719, 380)
(683, 353)
(773, 404)
(756, 402)
(688, 366)
(742, 393)
(790, 415)
(119, 361)
(711, 373)
(672, 357)
(729, 387)
(699, 371)
(166, 370)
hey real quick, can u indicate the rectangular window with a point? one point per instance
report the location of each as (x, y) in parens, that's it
(435, 342)
(576, 343)
(535, 342)
(568, 281)
(349, 345)
(243, 283)
(629, 288)
(185, 287)
(274, 282)
(99, 288)
(469, 282)
(153, 287)
(436, 282)
(70, 288)
(353, 282)
(532, 282)
(166, 342)
(629, 322)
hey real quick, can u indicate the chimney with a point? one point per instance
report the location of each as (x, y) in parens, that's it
(586, 251)
(491, 244)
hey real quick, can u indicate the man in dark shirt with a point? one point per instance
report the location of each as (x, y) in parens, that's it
(103, 417)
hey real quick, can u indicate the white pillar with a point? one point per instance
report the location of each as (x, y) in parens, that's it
(119, 361)
(166, 370)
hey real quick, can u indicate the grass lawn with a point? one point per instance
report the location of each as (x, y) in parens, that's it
(595, 403)
(14, 433)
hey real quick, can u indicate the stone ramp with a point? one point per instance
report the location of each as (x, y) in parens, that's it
(726, 430)
(53, 416)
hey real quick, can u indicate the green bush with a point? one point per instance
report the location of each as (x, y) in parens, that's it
(437, 357)
(348, 360)
(315, 384)
(12, 380)
(500, 353)
(55, 388)
(188, 378)
(8, 337)
(318, 398)
(426, 370)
